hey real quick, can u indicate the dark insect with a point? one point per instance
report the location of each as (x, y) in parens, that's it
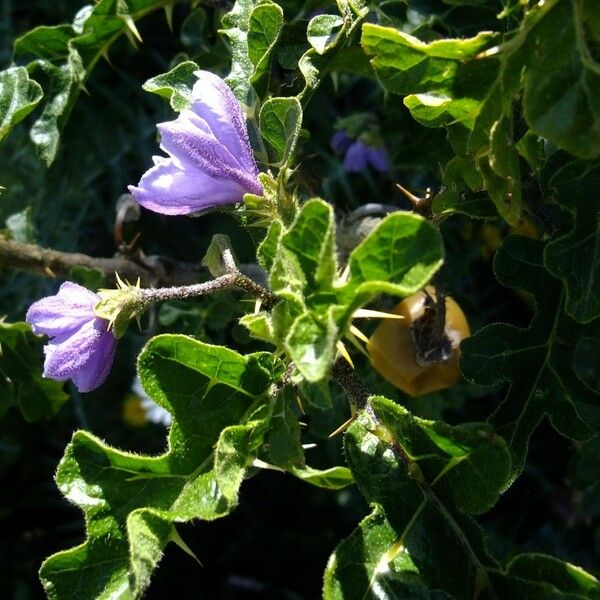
(429, 331)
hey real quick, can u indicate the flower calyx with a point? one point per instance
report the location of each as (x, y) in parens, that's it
(118, 306)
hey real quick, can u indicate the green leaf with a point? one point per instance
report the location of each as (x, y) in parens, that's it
(562, 83)
(66, 56)
(575, 257)
(463, 192)
(585, 362)
(311, 238)
(415, 544)
(415, 541)
(235, 451)
(406, 65)
(264, 29)
(446, 83)
(311, 344)
(398, 257)
(280, 122)
(324, 32)
(467, 465)
(334, 478)
(285, 448)
(20, 353)
(315, 63)
(259, 325)
(235, 27)
(555, 573)
(19, 95)
(372, 564)
(219, 257)
(548, 386)
(503, 177)
(267, 250)
(130, 501)
(175, 85)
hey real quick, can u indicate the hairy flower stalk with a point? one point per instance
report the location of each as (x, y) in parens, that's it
(84, 327)
(210, 160)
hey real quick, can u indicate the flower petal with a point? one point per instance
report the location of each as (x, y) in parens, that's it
(67, 311)
(340, 142)
(169, 189)
(187, 140)
(356, 157)
(66, 354)
(378, 158)
(96, 370)
(213, 101)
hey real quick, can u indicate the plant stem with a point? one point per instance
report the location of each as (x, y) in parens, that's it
(229, 280)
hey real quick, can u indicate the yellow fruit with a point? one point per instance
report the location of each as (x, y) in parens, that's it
(394, 354)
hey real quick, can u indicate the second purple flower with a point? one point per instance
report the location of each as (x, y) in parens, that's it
(210, 160)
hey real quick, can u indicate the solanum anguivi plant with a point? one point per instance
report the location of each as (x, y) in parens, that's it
(266, 326)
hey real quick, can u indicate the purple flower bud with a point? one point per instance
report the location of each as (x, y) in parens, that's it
(210, 159)
(378, 159)
(81, 347)
(356, 157)
(340, 142)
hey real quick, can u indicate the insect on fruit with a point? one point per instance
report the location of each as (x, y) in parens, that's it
(419, 354)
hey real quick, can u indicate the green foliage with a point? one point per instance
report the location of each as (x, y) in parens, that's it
(575, 256)
(19, 95)
(252, 29)
(131, 502)
(64, 58)
(398, 257)
(21, 382)
(469, 86)
(515, 88)
(175, 86)
(280, 121)
(417, 543)
(548, 386)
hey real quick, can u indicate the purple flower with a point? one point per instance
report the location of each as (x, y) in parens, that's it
(340, 141)
(359, 155)
(210, 159)
(81, 347)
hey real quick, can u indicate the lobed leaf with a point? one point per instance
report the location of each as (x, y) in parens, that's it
(575, 257)
(548, 386)
(130, 502)
(415, 543)
(415, 540)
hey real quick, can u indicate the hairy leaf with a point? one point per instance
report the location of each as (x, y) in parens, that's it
(19, 95)
(280, 122)
(130, 502)
(65, 57)
(398, 257)
(176, 85)
(415, 539)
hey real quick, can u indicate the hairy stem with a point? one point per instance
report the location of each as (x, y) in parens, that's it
(229, 280)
